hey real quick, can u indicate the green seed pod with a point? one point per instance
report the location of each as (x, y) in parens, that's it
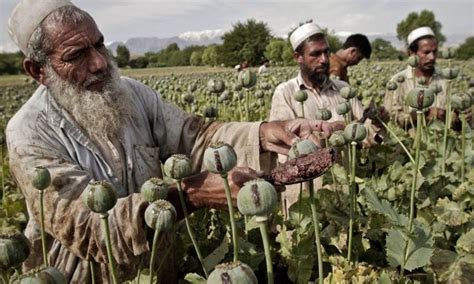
(400, 79)
(14, 250)
(355, 132)
(413, 60)
(41, 179)
(43, 275)
(348, 93)
(99, 196)
(154, 189)
(178, 167)
(219, 158)
(210, 111)
(257, 197)
(448, 53)
(232, 273)
(259, 94)
(343, 108)
(323, 114)
(302, 147)
(421, 81)
(337, 139)
(391, 86)
(436, 88)
(461, 102)
(301, 96)
(160, 215)
(192, 88)
(450, 73)
(188, 98)
(248, 78)
(215, 86)
(420, 98)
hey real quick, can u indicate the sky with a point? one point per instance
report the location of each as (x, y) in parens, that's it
(120, 20)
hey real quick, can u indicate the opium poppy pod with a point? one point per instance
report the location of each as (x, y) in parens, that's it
(450, 73)
(301, 96)
(99, 196)
(420, 98)
(43, 275)
(343, 108)
(323, 114)
(160, 215)
(14, 250)
(461, 102)
(248, 78)
(337, 139)
(216, 86)
(413, 60)
(154, 189)
(257, 197)
(178, 166)
(391, 86)
(355, 132)
(232, 272)
(348, 93)
(41, 178)
(219, 158)
(302, 147)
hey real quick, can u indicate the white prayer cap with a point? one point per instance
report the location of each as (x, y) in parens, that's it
(418, 33)
(27, 16)
(303, 32)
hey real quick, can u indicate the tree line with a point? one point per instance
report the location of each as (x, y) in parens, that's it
(252, 41)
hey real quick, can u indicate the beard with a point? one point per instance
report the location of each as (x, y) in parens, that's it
(99, 113)
(317, 77)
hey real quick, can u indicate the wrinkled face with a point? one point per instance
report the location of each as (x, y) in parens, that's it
(79, 55)
(427, 51)
(314, 62)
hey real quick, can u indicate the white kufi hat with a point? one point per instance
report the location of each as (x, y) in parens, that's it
(27, 16)
(418, 33)
(303, 32)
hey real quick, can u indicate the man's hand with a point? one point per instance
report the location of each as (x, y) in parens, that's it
(383, 115)
(278, 136)
(207, 189)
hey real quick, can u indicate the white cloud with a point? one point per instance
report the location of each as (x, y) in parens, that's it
(201, 35)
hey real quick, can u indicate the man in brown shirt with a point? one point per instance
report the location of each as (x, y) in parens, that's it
(356, 48)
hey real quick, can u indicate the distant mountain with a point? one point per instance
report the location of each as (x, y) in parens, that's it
(141, 45)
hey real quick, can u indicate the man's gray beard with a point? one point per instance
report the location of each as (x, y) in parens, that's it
(99, 114)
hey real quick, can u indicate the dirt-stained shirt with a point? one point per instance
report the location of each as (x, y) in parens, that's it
(43, 134)
(338, 68)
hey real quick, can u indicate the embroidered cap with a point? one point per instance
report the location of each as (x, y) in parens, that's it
(303, 32)
(418, 33)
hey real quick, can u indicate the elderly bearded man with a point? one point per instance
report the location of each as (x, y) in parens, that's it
(85, 122)
(311, 52)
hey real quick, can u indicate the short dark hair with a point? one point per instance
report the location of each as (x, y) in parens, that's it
(315, 37)
(360, 42)
(414, 45)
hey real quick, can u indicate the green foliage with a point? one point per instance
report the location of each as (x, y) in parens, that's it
(415, 20)
(210, 55)
(11, 63)
(196, 58)
(466, 49)
(383, 49)
(245, 41)
(123, 56)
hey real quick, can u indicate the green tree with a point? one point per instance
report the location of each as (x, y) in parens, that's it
(209, 55)
(334, 42)
(139, 62)
(245, 41)
(196, 58)
(274, 50)
(415, 20)
(466, 50)
(123, 56)
(383, 49)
